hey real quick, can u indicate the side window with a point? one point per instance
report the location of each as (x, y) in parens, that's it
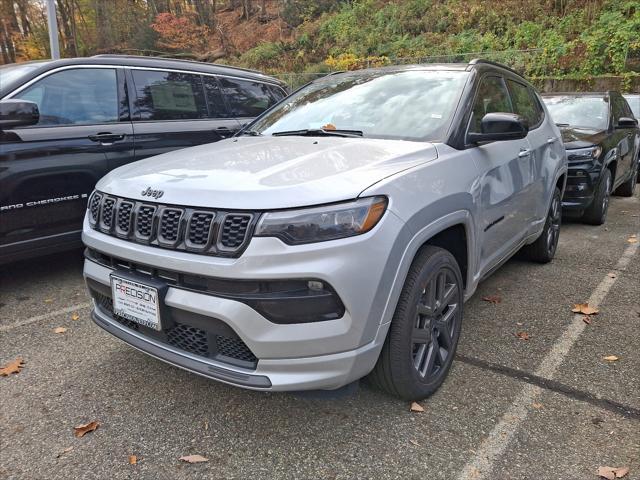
(617, 105)
(246, 98)
(169, 95)
(276, 92)
(523, 103)
(492, 97)
(217, 108)
(81, 96)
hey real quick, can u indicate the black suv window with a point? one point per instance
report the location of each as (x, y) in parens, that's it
(524, 104)
(217, 108)
(81, 96)
(169, 95)
(492, 97)
(617, 107)
(246, 98)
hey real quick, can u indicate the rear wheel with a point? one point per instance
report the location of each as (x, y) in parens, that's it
(628, 187)
(423, 336)
(544, 248)
(596, 214)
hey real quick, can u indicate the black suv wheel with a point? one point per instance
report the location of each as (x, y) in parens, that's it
(425, 329)
(596, 213)
(628, 188)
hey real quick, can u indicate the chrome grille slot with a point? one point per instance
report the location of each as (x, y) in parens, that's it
(199, 229)
(169, 226)
(106, 215)
(144, 221)
(123, 217)
(94, 207)
(234, 230)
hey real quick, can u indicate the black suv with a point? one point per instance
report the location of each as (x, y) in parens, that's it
(64, 124)
(602, 140)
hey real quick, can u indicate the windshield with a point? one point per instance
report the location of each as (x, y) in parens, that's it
(634, 103)
(10, 73)
(578, 111)
(408, 105)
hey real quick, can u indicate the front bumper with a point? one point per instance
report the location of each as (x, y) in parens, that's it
(582, 181)
(301, 356)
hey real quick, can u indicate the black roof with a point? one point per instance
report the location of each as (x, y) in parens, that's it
(42, 66)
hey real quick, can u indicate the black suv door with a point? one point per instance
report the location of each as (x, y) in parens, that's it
(247, 98)
(624, 138)
(176, 110)
(48, 170)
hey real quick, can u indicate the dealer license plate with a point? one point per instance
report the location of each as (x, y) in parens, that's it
(136, 302)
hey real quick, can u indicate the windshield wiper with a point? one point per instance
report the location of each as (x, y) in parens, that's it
(319, 132)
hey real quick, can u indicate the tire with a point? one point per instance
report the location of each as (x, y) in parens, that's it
(596, 213)
(544, 248)
(627, 188)
(423, 336)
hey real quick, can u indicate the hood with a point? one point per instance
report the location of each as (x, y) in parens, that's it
(267, 172)
(580, 137)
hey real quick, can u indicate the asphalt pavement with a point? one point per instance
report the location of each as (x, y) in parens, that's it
(545, 407)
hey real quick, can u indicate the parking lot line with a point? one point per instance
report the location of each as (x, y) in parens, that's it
(46, 316)
(499, 438)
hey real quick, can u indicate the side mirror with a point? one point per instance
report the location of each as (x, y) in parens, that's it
(18, 113)
(627, 122)
(500, 126)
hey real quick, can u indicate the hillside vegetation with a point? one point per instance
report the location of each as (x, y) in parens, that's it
(541, 37)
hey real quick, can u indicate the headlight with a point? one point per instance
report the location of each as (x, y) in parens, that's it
(318, 224)
(582, 154)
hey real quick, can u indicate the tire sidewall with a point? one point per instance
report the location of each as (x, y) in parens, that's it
(403, 371)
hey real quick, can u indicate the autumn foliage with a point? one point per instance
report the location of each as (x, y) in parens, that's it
(179, 33)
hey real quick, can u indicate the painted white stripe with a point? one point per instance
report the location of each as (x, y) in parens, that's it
(497, 441)
(46, 316)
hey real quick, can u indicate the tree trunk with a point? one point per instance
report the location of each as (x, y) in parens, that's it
(103, 29)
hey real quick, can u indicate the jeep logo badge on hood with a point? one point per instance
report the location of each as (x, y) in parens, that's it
(152, 193)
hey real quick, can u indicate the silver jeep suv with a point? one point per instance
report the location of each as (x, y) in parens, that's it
(337, 236)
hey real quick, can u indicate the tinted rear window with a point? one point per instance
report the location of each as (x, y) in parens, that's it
(246, 98)
(169, 95)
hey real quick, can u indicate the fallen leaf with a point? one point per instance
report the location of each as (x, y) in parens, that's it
(632, 239)
(611, 275)
(413, 442)
(522, 335)
(585, 309)
(12, 367)
(611, 473)
(48, 300)
(611, 358)
(194, 459)
(75, 316)
(495, 299)
(59, 330)
(81, 430)
(416, 407)
(133, 459)
(66, 450)
(587, 319)
(606, 472)
(537, 406)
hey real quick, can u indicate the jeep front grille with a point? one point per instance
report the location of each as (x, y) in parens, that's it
(203, 231)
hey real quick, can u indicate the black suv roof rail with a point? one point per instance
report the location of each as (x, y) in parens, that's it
(477, 61)
(173, 59)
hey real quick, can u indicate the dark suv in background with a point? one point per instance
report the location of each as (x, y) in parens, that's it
(602, 140)
(64, 124)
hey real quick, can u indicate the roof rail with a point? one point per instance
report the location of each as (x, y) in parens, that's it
(477, 61)
(173, 59)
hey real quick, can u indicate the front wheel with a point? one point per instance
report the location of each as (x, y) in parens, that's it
(423, 336)
(628, 188)
(596, 213)
(544, 248)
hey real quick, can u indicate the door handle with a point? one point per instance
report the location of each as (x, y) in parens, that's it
(552, 140)
(524, 152)
(106, 137)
